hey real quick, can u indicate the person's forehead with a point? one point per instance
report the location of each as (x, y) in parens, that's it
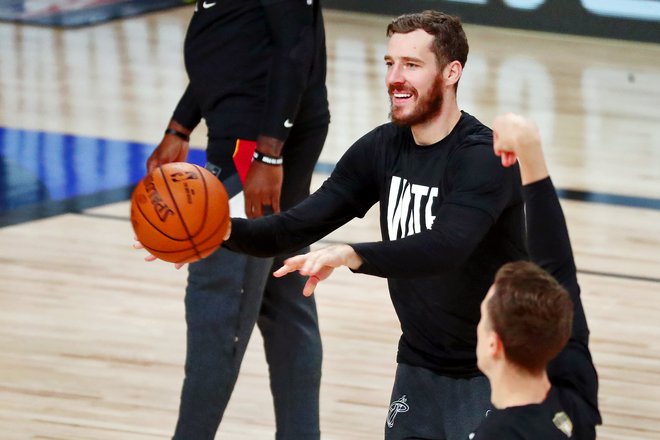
(415, 43)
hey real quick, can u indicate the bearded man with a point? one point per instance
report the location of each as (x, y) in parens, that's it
(450, 217)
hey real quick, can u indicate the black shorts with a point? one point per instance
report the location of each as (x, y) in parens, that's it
(426, 405)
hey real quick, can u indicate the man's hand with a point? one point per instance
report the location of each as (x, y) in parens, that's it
(150, 257)
(318, 265)
(170, 149)
(263, 183)
(262, 188)
(518, 138)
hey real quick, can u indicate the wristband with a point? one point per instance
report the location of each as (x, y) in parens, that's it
(268, 160)
(178, 134)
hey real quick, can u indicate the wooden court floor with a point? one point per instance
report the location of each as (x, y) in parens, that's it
(93, 338)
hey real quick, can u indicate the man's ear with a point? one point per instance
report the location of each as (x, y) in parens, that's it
(495, 346)
(452, 73)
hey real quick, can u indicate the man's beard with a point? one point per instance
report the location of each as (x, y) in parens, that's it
(426, 109)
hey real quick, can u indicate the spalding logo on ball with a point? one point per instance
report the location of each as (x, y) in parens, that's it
(180, 212)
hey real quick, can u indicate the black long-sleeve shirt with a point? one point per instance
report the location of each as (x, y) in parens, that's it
(450, 216)
(255, 67)
(572, 404)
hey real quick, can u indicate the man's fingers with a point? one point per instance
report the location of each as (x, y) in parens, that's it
(282, 271)
(152, 164)
(252, 208)
(256, 211)
(150, 257)
(318, 265)
(508, 159)
(315, 267)
(275, 203)
(310, 285)
(290, 265)
(183, 153)
(311, 265)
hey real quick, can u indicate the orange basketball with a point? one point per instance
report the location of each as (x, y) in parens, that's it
(180, 212)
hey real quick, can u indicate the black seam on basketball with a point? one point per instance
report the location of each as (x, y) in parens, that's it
(152, 250)
(210, 236)
(188, 259)
(155, 227)
(178, 212)
(206, 212)
(206, 199)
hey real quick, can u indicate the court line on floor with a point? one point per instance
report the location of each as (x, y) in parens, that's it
(330, 242)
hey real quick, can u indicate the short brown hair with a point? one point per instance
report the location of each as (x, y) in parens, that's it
(532, 314)
(450, 42)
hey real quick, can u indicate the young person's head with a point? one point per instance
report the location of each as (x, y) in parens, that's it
(425, 58)
(526, 319)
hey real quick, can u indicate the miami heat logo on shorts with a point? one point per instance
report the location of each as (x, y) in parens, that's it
(396, 407)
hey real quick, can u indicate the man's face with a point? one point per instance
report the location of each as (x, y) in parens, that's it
(485, 335)
(414, 80)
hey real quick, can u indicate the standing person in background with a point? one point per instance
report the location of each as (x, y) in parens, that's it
(256, 73)
(529, 315)
(450, 216)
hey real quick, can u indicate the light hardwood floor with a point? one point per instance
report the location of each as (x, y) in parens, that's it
(93, 338)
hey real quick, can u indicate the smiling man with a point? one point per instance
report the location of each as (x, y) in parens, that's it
(450, 217)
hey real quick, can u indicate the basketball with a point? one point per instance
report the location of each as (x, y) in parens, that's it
(180, 212)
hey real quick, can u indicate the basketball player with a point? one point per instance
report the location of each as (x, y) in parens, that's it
(528, 316)
(450, 217)
(257, 76)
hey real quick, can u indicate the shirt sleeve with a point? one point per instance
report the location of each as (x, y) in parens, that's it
(479, 190)
(187, 112)
(550, 247)
(455, 234)
(291, 27)
(349, 192)
(286, 232)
